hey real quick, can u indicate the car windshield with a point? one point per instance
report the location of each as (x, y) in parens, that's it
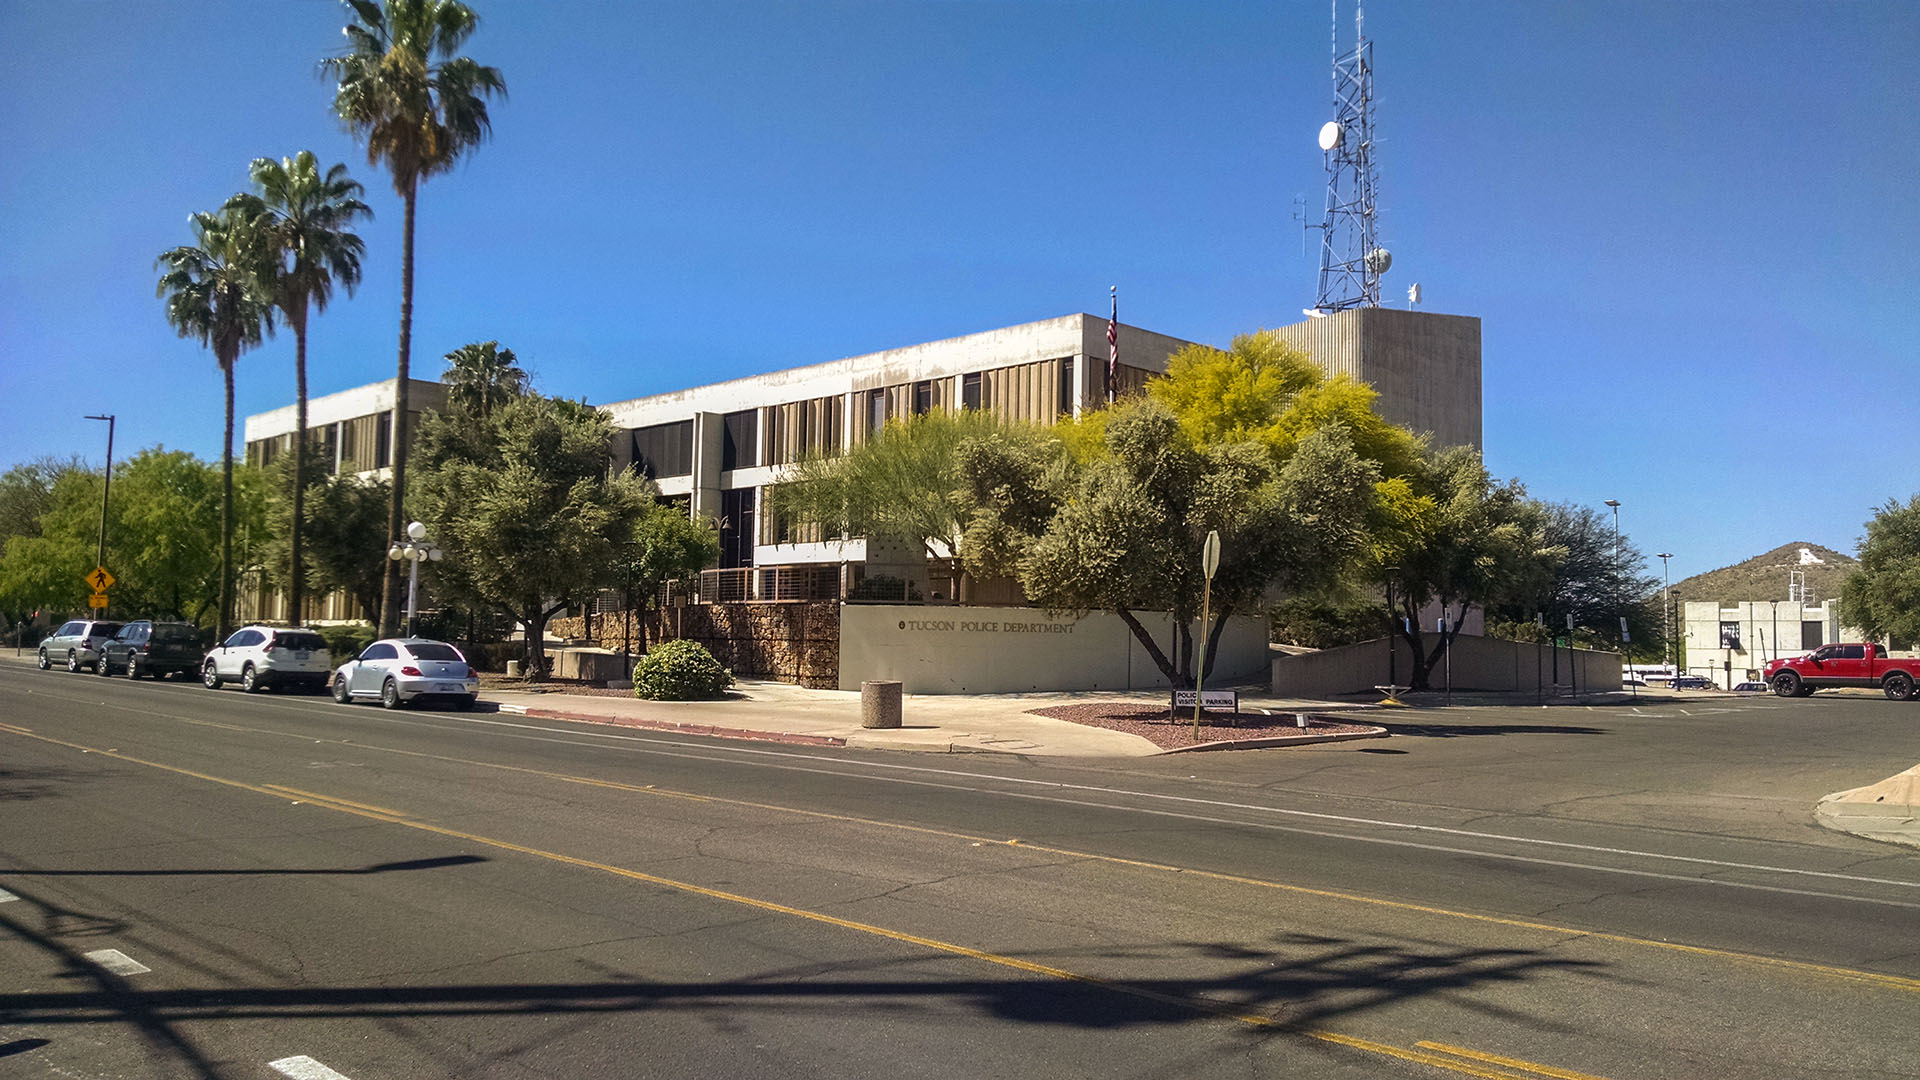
(164, 632)
(433, 650)
(297, 639)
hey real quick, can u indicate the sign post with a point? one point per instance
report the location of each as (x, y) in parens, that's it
(1209, 562)
(100, 581)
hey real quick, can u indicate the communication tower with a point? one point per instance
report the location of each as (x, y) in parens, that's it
(1351, 258)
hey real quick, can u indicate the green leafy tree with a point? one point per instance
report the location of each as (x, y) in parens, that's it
(1127, 536)
(1580, 569)
(1455, 537)
(165, 521)
(307, 217)
(419, 108)
(903, 482)
(345, 545)
(666, 544)
(530, 515)
(1882, 598)
(213, 294)
(482, 377)
(26, 493)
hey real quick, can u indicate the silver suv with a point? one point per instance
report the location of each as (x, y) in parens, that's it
(77, 644)
(259, 657)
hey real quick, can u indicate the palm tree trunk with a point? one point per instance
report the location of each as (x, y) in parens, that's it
(296, 570)
(390, 594)
(226, 510)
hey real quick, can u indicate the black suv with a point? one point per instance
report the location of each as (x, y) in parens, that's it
(155, 649)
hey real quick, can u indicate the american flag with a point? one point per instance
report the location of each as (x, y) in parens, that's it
(1113, 342)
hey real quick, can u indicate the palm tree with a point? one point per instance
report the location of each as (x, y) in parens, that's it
(419, 108)
(481, 377)
(308, 219)
(213, 292)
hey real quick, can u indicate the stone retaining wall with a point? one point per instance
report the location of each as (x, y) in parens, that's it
(796, 642)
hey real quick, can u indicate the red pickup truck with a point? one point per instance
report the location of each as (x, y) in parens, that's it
(1843, 665)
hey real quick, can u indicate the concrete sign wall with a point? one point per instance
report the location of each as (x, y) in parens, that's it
(1001, 650)
(1478, 664)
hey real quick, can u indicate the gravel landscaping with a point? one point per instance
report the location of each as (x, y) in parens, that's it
(1155, 724)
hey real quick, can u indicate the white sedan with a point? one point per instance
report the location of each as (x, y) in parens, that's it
(398, 671)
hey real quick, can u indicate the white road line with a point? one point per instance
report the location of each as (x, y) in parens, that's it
(302, 1067)
(6, 896)
(117, 962)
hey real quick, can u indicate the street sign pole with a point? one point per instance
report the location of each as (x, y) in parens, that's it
(1209, 562)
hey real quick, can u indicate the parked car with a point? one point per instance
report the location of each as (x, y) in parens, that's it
(1751, 688)
(1844, 664)
(77, 644)
(259, 657)
(152, 649)
(1692, 682)
(400, 671)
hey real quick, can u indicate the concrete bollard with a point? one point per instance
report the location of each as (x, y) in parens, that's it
(880, 703)
(513, 669)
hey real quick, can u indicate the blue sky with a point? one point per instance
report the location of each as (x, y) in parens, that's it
(1689, 227)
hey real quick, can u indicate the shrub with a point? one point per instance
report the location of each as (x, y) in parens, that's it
(679, 671)
(346, 640)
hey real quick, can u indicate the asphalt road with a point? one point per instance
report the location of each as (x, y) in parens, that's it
(309, 890)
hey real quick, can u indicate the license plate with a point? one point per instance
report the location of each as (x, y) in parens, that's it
(449, 688)
(301, 654)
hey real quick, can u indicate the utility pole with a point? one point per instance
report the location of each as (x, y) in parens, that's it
(106, 490)
(1666, 607)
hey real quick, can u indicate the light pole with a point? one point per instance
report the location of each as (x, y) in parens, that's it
(1666, 606)
(417, 549)
(1393, 631)
(105, 490)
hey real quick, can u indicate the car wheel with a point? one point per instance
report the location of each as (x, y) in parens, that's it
(250, 680)
(1786, 684)
(465, 704)
(73, 662)
(210, 676)
(102, 668)
(1899, 686)
(133, 666)
(45, 663)
(390, 696)
(342, 692)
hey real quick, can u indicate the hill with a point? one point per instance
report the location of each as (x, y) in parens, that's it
(1765, 577)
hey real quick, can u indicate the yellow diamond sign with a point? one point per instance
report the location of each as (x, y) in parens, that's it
(99, 579)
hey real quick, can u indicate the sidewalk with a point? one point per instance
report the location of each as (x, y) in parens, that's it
(941, 723)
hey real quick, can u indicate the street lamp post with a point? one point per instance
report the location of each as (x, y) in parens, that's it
(105, 490)
(416, 550)
(1666, 606)
(1393, 631)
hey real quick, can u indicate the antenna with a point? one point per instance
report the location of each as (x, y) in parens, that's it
(1300, 215)
(1351, 258)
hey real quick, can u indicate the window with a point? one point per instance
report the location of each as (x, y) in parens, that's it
(297, 639)
(736, 527)
(69, 630)
(970, 392)
(1853, 652)
(740, 447)
(1067, 395)
(173, 633)
(379, 650)
(383, 440)
(876, 410)
(433, 650)
(1812, 634)
(663, 449)
(923, 397)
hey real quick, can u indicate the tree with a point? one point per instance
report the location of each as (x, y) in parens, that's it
(1127, 535)
(1882, 598)
(345, 528)
(666, 544)
(166, 517)
(1581, 570)
(530, 516)
(26, 493)
(482, 377)
(1452, 535)
(308, 220)
(419, 108)
(903, 482)
(213, 294)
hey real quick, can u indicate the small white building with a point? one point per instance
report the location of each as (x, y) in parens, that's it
(1731, 643)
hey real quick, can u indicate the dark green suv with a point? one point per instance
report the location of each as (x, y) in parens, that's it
(154, 649)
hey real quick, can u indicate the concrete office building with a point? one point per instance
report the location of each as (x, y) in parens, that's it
(718, 447)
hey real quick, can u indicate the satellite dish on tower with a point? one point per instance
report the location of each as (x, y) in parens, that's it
(1379, 260)
(1331, 134)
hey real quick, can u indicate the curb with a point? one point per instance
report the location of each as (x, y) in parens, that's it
(1276, 740)
(684, 729)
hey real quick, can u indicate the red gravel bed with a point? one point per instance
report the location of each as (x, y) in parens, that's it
(1169, 732)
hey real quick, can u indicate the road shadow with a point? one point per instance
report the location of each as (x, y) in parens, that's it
(1452, 729)
(342, 871)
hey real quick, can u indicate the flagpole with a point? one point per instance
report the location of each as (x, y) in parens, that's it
(1113, 341)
